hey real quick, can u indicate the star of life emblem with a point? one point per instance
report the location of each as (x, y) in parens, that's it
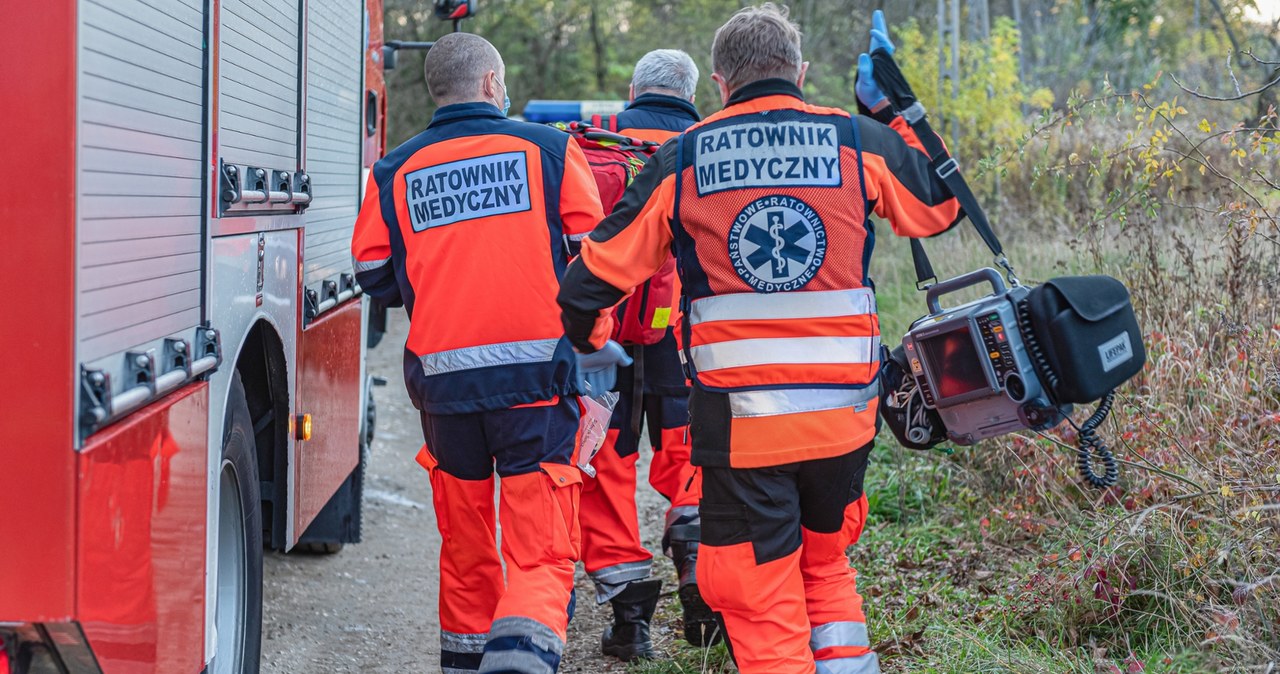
(777, 244)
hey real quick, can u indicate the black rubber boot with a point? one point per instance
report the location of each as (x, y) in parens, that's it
(680, 543)
(628, 638)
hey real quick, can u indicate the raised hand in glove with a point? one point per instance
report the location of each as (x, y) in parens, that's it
(869, 93)
(598, 372)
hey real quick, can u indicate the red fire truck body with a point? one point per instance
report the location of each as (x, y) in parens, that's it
(184, 379)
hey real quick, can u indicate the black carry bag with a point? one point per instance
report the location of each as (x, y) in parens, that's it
(1088, 336)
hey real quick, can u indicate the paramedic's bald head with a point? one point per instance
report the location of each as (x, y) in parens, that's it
(464, 68)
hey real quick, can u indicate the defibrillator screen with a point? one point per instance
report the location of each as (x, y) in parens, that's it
(954, 363)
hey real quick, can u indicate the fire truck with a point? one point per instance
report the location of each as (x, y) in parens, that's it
(183, 378)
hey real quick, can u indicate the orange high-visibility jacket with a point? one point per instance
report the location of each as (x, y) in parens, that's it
(468, 224)
(767, 207)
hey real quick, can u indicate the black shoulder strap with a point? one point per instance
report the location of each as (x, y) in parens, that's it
(903, 100)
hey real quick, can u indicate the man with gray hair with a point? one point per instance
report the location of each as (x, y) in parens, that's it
(767, 206)
(654, 388)
(466, 226)
(663, 87)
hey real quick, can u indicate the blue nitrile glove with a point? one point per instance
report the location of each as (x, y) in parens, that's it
(880, 34)
(598, 372)
(868, 92)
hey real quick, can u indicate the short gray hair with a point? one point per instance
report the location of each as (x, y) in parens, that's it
(456, 64)
(666, 70)
(757, 43)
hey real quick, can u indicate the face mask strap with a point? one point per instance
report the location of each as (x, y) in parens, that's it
(506, 100)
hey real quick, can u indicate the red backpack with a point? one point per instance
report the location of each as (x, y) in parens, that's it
(608, 123)
(615, 160)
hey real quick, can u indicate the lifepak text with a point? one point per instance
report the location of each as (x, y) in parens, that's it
(785, 154)
(468, 189)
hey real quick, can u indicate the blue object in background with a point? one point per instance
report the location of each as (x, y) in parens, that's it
(547, 111)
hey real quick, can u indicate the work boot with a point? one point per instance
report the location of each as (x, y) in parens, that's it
(680, 543)
(628, 638)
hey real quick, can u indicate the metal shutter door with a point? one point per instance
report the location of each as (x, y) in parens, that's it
(139, 221)
(258, 83)
(335, 66)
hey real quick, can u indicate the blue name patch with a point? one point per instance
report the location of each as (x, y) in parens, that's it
(467, 189)
(761, 154)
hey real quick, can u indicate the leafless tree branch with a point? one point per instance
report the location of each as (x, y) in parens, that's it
(1250, 54)
(1207, 97)
(1235, 81)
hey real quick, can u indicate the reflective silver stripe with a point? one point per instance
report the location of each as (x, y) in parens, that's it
(755, 306)
(370, 265)
(847, 633)
(506, 662)
(786, 351)
(690, 511)
(489, 355)
(797, 400)
(538, 634)
(863, 664)
(612, 580)
(524, 661)
(626, 571)
(458, 642)
(455, 670)
(578, 237)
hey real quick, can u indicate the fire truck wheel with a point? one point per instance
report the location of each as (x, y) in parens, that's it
(238, 616)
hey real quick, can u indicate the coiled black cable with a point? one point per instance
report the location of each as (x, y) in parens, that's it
(1091, 447)
(1033, 346)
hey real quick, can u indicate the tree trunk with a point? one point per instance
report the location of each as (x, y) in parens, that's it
(597, 41)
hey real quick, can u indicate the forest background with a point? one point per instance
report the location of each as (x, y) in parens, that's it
(1135, 138)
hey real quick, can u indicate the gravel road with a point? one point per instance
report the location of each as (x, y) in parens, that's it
(372, 606)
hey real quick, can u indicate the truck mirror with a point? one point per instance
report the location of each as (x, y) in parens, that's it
(391, 51)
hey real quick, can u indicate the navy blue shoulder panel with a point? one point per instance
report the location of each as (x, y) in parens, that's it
(658, 111)
(642, 118)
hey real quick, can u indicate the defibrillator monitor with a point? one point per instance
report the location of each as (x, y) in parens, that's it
(952, 360)
(971, 364)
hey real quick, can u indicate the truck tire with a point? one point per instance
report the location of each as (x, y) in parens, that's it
(377, 324)
(342, 518)
(238, 607)
(339, 522)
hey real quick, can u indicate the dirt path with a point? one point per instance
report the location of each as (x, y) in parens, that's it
(372, 606)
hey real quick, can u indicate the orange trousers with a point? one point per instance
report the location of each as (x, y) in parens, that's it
(773, 564)
(488, 623)
(612, 551)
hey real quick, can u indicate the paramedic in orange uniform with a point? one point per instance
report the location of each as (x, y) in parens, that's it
(467, 225)
(663, 85)
(767, 204)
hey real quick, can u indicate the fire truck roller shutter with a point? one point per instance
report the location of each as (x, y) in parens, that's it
(258, 84)
(139, 139)
(333, 140)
